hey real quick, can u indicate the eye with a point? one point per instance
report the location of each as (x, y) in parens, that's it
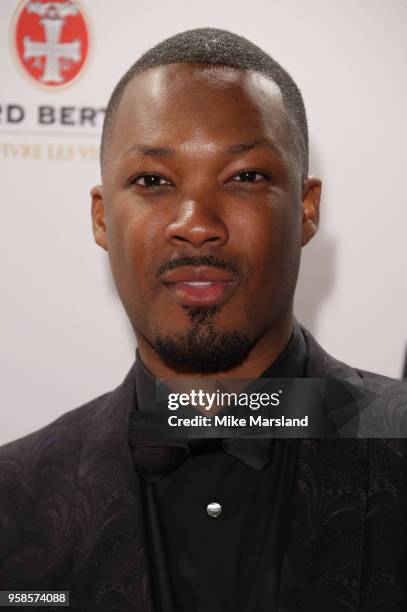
(250, 176)
(150, 180)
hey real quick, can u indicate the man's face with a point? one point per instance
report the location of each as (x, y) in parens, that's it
(202, 212)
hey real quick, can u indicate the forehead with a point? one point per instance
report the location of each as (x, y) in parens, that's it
(197, 106)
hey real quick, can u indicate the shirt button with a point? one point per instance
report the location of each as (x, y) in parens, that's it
(214, 509)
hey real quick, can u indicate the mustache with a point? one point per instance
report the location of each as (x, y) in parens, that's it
(199, 260)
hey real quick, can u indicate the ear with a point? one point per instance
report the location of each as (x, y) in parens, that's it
(98, 217)
(311, 196)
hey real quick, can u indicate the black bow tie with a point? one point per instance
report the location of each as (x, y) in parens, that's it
(155, 458)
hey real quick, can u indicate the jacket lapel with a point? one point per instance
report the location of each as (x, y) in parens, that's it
(323, 563)
(110, 561)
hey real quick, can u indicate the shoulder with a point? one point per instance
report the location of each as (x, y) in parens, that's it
(381, 401)
(66, 431)
(72, 428)
(40, 486)
(50, 457)
(38, 476)
(322, 364)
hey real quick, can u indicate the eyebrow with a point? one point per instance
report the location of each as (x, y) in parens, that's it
(235, 149)
(244, 147)
(148, 151)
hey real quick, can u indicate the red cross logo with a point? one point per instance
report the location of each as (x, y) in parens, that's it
(52, 40)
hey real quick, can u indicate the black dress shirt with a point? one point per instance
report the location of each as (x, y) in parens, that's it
(232, 562)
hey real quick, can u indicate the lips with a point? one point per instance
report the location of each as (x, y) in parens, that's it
(199, 285)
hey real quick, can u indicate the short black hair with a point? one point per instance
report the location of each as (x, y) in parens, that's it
(216, 47)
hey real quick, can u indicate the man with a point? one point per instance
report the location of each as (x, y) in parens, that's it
(205, 205)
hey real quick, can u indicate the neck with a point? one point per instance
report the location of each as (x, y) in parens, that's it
(262, 355)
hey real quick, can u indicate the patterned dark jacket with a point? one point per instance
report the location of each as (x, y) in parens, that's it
(71, 510)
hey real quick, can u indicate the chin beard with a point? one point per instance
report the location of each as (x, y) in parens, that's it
(202, 349)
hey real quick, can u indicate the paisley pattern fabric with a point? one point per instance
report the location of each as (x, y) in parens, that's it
(71, 513)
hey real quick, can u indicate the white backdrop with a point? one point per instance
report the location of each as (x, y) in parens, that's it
(64, 336)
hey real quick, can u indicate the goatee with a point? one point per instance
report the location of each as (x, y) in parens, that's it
(203, 349)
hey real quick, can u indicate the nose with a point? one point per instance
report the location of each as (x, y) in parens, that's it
(197, 224)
